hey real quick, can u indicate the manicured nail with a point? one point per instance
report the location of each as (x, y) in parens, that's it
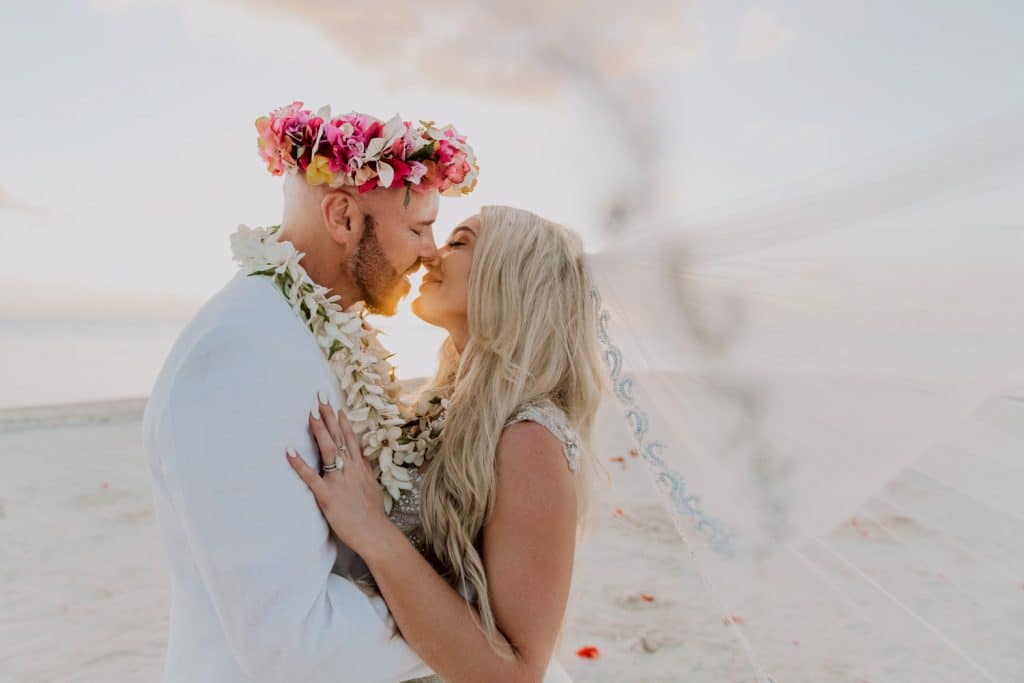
(323, 397)
(314, 415)
(291, 453)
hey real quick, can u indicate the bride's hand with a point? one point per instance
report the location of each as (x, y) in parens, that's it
(350, 498)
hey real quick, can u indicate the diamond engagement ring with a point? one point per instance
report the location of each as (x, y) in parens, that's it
(337, 466)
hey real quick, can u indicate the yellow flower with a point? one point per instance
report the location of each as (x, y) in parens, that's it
(319, 172)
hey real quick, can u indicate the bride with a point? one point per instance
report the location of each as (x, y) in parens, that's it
(491, 518)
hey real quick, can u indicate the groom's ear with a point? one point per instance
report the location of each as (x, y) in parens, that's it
(343, 217)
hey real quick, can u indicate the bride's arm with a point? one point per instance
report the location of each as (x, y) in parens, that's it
(528, 547)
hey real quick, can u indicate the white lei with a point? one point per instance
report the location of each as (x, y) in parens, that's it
(394, 437)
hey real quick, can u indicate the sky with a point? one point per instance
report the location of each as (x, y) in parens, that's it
(129, 152)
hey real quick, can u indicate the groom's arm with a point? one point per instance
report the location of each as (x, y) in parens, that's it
(258, 539)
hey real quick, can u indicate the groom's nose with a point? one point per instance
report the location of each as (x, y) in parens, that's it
(428, 250)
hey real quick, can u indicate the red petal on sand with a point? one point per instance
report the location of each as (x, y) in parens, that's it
(618, 512)
(617, 458)
(647, 597)
(734, 619)
(587, 652)
(634, 452)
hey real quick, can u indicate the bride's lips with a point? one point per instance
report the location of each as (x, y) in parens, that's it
(430, 279)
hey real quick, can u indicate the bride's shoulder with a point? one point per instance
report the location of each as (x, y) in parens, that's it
(543, 425)
(530, 465)
(534, 490)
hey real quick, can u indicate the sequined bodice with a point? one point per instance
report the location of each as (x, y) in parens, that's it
(406, 512)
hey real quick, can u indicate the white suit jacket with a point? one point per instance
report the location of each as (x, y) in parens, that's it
(253, 596)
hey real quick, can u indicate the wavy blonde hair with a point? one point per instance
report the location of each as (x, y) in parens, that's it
(533, 335)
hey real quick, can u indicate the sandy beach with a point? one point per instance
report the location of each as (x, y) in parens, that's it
(85, 592)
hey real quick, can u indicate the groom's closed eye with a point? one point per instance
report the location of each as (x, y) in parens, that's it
(418, 228)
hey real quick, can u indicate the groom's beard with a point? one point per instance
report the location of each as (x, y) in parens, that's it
(380, 285)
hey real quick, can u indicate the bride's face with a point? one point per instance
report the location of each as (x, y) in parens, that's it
(444, 293)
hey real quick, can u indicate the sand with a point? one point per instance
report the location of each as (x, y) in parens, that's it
(85, 592)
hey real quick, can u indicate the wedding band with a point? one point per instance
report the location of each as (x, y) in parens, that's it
(337, 465)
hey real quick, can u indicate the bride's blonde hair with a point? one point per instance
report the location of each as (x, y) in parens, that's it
(533, 335)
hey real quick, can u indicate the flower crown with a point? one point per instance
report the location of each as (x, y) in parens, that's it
(365, 152)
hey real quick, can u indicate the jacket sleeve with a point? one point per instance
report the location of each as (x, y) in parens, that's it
(260, 544)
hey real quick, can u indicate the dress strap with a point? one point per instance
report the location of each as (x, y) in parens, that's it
(548, 415)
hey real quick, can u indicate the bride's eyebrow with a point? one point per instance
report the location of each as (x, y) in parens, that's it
(459, 229)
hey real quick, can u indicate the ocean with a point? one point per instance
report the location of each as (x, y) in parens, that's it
(46, 361)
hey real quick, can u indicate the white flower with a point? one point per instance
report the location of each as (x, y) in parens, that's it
(360, 415)
(374, 148)
(394, 128)
(385, 172)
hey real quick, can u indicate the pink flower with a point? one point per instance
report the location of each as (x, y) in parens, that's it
(337, 162)
(398, 149)
(457, 169)
(445, 151)
(401, 171)
(272, 150)
(288, 110)
(313, 131)
(336, 131)
(364, 127)
(416, 172)
(356, 148)
(430, 178)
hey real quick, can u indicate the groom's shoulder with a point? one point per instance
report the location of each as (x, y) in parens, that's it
(245, 306)
(247, 317)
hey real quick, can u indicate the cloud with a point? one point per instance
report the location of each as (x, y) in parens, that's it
(9, 202)
(522, 49)
(761, 35)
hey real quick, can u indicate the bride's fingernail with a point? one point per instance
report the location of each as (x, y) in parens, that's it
(291, 453)
(313, 415)
(322, 396)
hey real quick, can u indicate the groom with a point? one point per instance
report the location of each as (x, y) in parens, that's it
(254, 597)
